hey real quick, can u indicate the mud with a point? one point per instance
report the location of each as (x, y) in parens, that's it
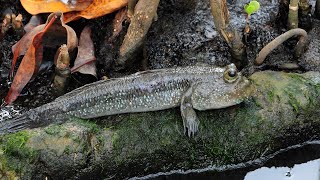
(184, 34)
(311, 58)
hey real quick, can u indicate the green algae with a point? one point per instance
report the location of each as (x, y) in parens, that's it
(230, 135)
(16, 155)
(271, 96)
(53, 129)
(14, 145)
(223, 141)
(90, 124)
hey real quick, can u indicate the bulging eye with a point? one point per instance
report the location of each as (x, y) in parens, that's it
(230, 75)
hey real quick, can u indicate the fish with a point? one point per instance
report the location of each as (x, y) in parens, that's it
(191, 87)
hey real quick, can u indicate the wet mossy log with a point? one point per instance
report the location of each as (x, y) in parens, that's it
(283, 110)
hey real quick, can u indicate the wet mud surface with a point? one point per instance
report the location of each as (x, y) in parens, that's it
(184, 34)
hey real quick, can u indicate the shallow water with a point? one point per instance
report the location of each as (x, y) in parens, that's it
(308, 170)
(293, 163)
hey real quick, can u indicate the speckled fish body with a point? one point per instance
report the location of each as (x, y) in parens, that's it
(144, 91)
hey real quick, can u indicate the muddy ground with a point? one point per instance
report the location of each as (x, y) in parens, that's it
(184, 34)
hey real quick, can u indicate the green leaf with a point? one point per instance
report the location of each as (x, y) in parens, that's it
(252, 7)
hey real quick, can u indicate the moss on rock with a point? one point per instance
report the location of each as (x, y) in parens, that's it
(15, 155)
(282, 111)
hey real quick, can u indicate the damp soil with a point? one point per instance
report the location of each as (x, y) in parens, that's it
(184, 34)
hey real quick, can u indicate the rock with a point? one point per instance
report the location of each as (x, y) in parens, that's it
(282, 111)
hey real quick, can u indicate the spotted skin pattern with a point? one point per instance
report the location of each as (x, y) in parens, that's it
(191, 87)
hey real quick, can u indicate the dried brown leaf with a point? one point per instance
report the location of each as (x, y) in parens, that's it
(59, 33)
(96, 9)
(85, 61)
(54, 31)
(28, 65)
(44, 6)
(33, 22)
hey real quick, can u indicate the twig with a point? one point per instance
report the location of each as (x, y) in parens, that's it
(220, 15)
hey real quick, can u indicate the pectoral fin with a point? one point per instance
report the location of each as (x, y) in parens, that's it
(189, 116)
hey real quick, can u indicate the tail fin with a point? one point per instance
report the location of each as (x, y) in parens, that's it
(15, 124)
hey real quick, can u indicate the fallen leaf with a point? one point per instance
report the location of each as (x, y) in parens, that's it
(59, 33)
(22, 46)
(44, 6)
(85, 61)
(96, 9)
(53, 33)
(33, 22)
(25, 41)
(28, 64)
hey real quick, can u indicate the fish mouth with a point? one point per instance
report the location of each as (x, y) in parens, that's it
(245, 88)
(239, 92)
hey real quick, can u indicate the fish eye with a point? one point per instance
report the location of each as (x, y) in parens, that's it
(230, 75)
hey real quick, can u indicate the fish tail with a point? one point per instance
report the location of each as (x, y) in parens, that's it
(15, 124)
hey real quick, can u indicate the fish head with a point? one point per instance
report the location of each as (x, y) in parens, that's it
(227, 88)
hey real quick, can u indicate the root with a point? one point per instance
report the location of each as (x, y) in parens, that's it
(299, 49)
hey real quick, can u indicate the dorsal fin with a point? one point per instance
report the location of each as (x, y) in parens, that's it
(80, 89)
(148, 71)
